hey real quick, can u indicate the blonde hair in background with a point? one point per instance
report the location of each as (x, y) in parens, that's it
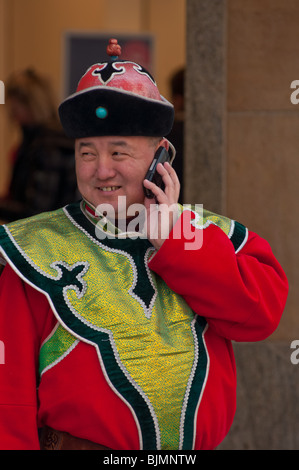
(34, 92)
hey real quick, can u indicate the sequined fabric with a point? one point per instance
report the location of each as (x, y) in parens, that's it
(104, 287)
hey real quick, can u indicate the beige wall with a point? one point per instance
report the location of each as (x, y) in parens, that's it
(242, 131)
(263, 131)
(32, 31)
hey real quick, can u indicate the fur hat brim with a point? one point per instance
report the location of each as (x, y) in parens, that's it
(124, 113)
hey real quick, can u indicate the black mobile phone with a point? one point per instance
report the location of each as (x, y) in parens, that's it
(161, 156)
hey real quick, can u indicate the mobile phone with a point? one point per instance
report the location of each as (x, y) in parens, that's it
(161, 156)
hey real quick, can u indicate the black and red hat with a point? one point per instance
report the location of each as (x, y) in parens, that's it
(116, 98)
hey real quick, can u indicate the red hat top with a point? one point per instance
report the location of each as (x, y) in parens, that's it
(124, 75)
(116, 98)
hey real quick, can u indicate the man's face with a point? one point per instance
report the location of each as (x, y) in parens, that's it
(109, 167)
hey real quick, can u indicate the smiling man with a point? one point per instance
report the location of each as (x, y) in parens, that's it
(109, 167)
(116, 339)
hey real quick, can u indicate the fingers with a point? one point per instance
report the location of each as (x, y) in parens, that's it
(162, 211)
(171, 179)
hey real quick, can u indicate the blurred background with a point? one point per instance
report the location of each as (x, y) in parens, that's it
(57, 40)
(237, 133)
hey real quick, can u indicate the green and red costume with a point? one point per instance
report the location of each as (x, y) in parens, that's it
(114, 342)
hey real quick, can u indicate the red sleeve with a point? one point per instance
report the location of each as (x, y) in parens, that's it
(23, 313)
(242, 296)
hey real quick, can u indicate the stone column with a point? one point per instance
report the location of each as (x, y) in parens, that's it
(205, 133)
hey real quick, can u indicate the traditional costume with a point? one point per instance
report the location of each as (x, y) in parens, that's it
(117, 344)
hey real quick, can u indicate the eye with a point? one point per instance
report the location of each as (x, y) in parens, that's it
(119, 155)
(87, 155)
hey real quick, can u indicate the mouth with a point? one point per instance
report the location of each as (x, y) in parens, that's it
(109, 189)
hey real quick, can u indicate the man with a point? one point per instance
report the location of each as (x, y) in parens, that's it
(124, 328)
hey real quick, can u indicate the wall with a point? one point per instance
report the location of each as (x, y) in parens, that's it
(242, 129)
(32, 31)
(241, 159)
(262, 131)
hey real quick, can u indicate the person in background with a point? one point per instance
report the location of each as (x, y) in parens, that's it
(43, 171)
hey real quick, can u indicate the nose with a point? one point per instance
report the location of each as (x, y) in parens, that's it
(105, 168)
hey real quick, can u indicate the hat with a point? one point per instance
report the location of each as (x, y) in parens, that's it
(119, 97)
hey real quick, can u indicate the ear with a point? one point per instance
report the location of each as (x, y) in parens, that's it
(164, 143)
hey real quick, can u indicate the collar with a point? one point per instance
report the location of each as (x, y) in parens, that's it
(97, 218)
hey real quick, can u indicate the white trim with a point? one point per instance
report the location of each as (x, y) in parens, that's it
(244, 241)
(50, 335)
(203, 386)
(60, 358)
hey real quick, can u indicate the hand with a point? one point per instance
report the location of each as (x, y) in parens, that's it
(162, 211)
